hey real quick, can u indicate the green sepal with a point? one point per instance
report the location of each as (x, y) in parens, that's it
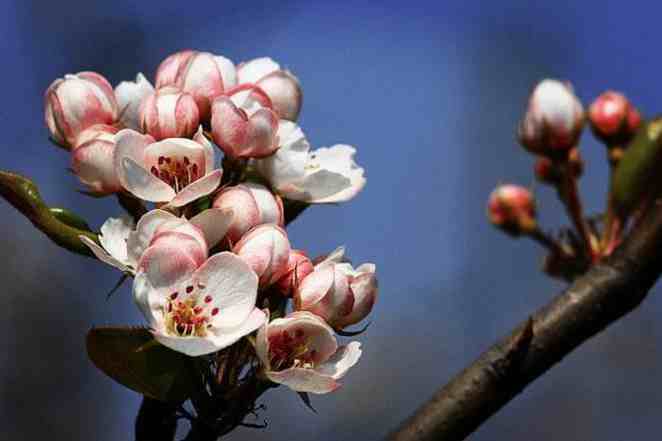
(636, 173)
(133, 358)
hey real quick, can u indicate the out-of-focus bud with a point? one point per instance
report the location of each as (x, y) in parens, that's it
(280, 85)
(298, 267)
(553, 121)
(202, 74)
(613, 118)
(550, 172)
(266, 249)
(338, 293)
(169, 113)
(76, 102)
(252, 204)
(240, 135)
(92, 159)
(512, 208)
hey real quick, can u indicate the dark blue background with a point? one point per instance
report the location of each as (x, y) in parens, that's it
(430, 93)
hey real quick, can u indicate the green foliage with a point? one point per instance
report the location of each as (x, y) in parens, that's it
(134, 359)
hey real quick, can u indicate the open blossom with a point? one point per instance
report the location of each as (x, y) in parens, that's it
(201, 74)
(253, 204)
(76, 102)
(299, 266)
(301, 352)
(169, 113)
(554, 119)
(266, 249)
(325, 175)
(196, 307)
(130, 95)
(280, 85)
(122, 245)
(92, 159)
(337, 292)
(244, 132)
(175, 170)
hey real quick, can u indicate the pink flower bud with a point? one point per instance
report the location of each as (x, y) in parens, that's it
(169, 113)
(512, 208)
(202, 74)
(92, 159)
(252, 205)
(240, 135)
(266, 249)
(299, 266)
(553, 121)
(613, 118)
(281, 86)
(76, 102)
(338, 293)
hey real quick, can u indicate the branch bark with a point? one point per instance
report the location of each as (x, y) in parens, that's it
(608, 291)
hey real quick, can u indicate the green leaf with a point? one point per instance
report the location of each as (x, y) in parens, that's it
(134, 359)
(23, 195)
(636, 173)
(69, 217)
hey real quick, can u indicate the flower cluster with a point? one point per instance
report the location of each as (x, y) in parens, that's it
(207, 248)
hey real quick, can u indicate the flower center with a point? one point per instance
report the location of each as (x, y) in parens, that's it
(189, 313)
(176, 172)
(290, 349)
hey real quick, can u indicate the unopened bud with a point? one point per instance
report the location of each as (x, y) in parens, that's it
(553, 121)
(266, 249)
(512, 209)
(76, 102)
(613, 118)
(169, 113)
(92, 159)
(298, 267)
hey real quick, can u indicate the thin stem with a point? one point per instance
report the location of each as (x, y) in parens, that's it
(569, 195)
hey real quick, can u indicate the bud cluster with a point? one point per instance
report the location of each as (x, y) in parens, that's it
(550, 129)
(208, 250)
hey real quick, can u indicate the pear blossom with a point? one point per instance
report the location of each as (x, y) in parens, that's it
(175, 171)
(266, 249)
(76, 102)
(243, 131)
(130, 95)
(280, 85)
(301, 352)
(253, 204)
(299, 266)
(202, 74)
(92, 159)
(337, 292)
(192, 307)
(123, 244)
(169, 113)
(325, 175)
(554, 119)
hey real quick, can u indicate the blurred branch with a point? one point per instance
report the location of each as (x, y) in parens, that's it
(608, 291)
(23, 195)
(156, 421)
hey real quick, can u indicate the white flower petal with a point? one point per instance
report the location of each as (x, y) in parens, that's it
(340, 362)
(129, 144)
(254, 70)
(102, 254)
(114, 234)
(288, 164)
(129, 95)
(202, 187)
(191, 346)
(233, 288)
(139, 240)
(223, 338)
(214, 224)
(143, 184)
(304, 380)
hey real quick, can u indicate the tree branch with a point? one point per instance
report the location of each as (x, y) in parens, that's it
(608, 291)
(156, 421)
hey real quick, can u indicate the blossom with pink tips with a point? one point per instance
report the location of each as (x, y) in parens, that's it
(169, 113)
(92, 159)
(174, 171)
(266, 249)
(76, 102)
(299, 266)
(253, 204)
(280, 85)
(130, 96)
(300, 351)
(337, 292)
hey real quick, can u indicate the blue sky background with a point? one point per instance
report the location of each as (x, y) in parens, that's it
(430, 93)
